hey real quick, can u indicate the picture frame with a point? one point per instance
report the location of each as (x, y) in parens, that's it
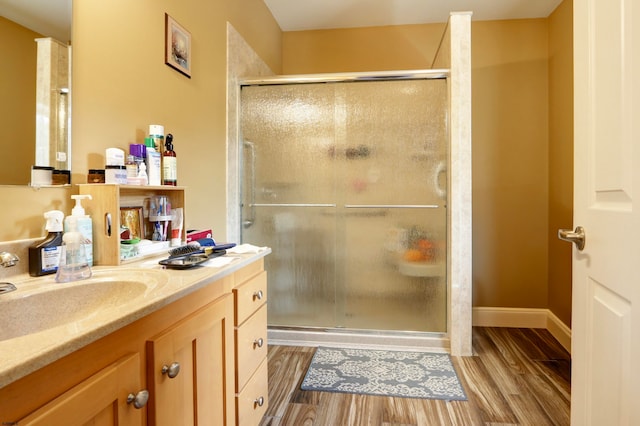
(132, 218)
(177, 46)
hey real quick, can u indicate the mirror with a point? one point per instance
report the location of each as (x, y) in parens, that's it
(35, 87)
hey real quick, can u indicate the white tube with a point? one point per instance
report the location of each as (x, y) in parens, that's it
(176, 227)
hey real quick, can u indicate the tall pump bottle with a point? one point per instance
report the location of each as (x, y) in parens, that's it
(44, 257)
(73, 259)
(169, 163)
(84, 225)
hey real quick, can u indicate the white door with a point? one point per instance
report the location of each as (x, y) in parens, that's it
(606, 274)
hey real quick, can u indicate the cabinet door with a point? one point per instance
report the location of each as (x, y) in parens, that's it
(189, 369)
(101, 400)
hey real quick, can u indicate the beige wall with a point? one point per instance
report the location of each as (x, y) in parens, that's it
(121, 85)
(18, 103)
(510, 163)
(513, 184)
(560, 157)
(363, 49)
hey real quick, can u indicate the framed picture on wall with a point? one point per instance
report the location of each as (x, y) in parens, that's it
(177, 46)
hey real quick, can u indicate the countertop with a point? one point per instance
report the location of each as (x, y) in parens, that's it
(23, 355)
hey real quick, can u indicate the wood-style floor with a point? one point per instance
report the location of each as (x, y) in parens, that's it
(517, 376)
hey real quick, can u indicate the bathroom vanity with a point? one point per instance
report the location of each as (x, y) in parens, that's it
(190, 350)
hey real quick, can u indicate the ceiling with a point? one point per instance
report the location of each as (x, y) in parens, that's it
(53, 17)
(296, 15)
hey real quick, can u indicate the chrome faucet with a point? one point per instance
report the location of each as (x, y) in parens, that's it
(8, 259)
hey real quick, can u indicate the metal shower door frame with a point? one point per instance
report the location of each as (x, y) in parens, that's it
(330, 78)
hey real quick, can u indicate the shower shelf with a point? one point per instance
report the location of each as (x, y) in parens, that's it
(426, 155)
(421, 269)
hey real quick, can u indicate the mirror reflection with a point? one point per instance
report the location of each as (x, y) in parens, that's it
(35, 82)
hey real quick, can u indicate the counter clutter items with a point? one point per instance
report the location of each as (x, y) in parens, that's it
(194, 253)
(145, 212)
(64, 365)
(152, 163)
(248, 248)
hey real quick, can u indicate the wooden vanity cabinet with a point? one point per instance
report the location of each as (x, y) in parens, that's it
(250, 298)
(92, 384)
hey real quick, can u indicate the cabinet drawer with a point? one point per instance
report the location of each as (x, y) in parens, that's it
(251, 346)
(250, 296)
(252, 402)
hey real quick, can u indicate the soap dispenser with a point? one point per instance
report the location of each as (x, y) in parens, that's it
(84, 225)
(73, 258)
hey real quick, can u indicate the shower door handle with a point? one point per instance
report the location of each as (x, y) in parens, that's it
(441, 192)
(252, 186)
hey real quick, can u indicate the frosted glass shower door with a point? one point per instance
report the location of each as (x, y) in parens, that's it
(392, 218)
(288, 196)
(346, 182)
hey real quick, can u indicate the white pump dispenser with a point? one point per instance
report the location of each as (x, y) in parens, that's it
(84, 225)
(73, 259)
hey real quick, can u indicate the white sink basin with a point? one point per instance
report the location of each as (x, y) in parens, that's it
(40, 303)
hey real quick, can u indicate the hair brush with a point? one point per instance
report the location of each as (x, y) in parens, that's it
(205, 246)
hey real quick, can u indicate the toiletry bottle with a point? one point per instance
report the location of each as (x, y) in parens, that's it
(142, 175)
(154, 163)
(169, 163)
(84, 225)
(156, 133)
(73, 258)
(132, 167)
(44, 256)
(139, 152)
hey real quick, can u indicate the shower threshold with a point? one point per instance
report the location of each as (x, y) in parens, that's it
(356, 338)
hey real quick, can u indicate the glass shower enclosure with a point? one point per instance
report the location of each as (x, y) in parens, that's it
(346, 181)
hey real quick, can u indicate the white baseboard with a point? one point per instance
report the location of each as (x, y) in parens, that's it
(524, 318)
(559, 330)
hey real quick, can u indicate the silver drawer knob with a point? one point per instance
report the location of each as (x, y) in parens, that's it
(171, 370)
(139, 400)
(258, 343)
(258, 295)
(258, 402)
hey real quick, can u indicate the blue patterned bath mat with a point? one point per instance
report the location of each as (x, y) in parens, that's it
(381, 372)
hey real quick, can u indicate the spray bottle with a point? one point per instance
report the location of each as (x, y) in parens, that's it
(44, 256)
(84, 225)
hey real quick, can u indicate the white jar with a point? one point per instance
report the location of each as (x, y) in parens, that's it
(115, 174)
(41, 175)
